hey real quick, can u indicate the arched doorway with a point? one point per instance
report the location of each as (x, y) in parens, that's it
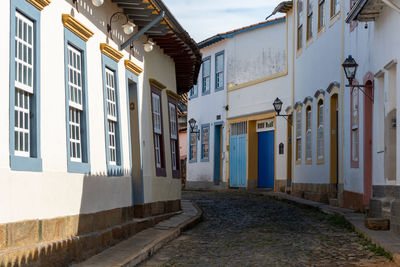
(334, 138)
(368, 108)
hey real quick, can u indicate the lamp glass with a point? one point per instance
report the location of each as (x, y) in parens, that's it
(350, 68)
(192, 123)
(97, 2)
(148, 47)
(128, 27)
(277, 105)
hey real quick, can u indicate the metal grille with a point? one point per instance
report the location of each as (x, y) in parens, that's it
(239, 128)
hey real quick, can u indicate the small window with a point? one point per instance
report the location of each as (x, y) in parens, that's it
(321, 18)
(299, 24)
(354, 128)
(219, 71)
(298, 135)
(320, 134)
(335, 7)
(281, 149)
(308, 135)
(205, 135)
(193, 91)
(309, 19)
(193, 146)
(206, 75)
(173, 126)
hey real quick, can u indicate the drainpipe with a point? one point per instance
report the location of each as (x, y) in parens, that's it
(390, 4)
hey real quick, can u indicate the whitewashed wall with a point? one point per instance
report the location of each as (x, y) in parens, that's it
(204, 109)
(317, 65)
(54, 192)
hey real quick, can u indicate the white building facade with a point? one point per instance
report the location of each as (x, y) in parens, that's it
(237, 87)
(89, 130)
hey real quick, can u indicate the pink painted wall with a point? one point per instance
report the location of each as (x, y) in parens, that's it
(183, 145)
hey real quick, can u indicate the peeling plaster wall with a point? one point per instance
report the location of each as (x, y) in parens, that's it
(256, 54)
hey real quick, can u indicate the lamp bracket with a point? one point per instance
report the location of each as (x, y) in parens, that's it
(285, 117)
(143, 30)
(360, 86)
(118, 17)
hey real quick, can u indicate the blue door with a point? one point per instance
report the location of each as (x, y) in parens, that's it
(238, 161)
(266, 159)
(217, 154)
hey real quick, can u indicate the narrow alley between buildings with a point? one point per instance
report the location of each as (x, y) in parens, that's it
(242, 229)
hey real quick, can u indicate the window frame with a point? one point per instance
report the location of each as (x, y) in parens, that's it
(117, 168)
(202, 157)
(70, 39)
(334, 5)
(175, 173)
(320, 103)
(354, 128)
(321, 15)
(217, 88)
(191, 160)
(299, 138)
(308, 130)
(203, 84)
(300, 25)
(310, 13)
(195, 89)
(32, 163)
(160, 171)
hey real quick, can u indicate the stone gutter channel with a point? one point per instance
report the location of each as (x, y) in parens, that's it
(144, 244)
(388, 240)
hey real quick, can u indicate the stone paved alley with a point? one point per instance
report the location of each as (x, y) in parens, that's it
(240, 229)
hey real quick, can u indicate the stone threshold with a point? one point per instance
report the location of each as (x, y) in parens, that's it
(141, 246)
(386, 239)
(77, 248)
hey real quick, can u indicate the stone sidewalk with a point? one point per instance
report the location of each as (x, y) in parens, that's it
(144, 244)
(385, 239)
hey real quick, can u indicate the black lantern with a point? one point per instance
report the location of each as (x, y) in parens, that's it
(278, 106)
(350, 68)
(192, 124)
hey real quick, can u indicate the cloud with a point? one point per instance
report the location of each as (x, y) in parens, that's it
(205, 18)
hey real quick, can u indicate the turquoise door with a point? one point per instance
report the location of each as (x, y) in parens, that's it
(217, 154)
(238, 161)
(266, 159)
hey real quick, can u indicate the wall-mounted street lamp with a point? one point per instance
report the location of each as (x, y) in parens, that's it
(96, 3)
(350, 69)
(148, 46)
(192, 124)
(128, 27)
(278, 108)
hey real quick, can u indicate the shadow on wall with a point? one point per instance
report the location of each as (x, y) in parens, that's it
(100, 17)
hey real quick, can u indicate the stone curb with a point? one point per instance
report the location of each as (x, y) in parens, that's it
(157, 244)
(157, 237)
(356, 220)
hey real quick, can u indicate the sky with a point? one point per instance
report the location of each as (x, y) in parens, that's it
(205, 18)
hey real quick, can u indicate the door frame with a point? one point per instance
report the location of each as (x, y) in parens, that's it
(368, 132)
(334, 145)
(219, 124)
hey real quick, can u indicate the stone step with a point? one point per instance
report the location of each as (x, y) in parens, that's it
(378, 206)
(334, 202)
(377, 224)
(386, 212)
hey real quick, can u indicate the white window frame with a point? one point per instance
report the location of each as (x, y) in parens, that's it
(156, 100)
(320, 134)
(308, 134)
(298, 135)
(112, 116)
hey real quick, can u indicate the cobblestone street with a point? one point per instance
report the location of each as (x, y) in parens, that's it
(240, 229)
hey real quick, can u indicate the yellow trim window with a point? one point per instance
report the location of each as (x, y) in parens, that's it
(321, 17)
(309, 19)
(299, 24)
(308, 135)
(335, 7)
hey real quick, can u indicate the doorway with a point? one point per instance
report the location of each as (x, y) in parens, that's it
(289, 151)
(368, 106)
(266, 159)
(334, 137)
(217, 153)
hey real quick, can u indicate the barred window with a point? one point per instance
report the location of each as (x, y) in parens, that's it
(308, 134)
(320, 135)
(298, 135)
